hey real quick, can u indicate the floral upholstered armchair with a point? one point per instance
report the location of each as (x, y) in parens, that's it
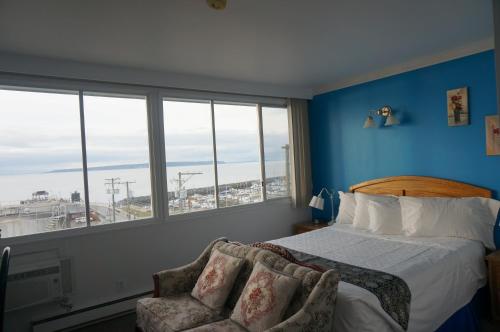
(174, 309)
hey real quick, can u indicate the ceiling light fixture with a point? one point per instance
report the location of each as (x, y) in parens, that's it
(217, 4)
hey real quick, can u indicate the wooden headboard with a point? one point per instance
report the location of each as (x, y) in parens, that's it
(419, 186)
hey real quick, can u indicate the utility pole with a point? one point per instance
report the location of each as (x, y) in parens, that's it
(180, 184)
(126, 183)
(112, 182)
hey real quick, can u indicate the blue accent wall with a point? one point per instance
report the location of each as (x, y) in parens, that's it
(343, 153)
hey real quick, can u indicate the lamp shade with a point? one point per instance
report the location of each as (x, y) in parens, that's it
(369, 123)
(391, 120)
(317, 203)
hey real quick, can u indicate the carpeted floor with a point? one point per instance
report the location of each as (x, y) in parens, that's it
(119, 323)
(126, 323)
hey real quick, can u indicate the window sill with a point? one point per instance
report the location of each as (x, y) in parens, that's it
(66, 233)
(193, 216)
(227, 210)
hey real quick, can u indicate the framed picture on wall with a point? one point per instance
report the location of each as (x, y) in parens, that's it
(492, 135)
(458, 107)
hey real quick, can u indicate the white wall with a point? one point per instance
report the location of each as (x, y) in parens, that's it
(133, 254)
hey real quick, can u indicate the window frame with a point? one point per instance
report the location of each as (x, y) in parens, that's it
(263, 149)
(224, 100)
(115, 94)
(260, 146)
(156, 138)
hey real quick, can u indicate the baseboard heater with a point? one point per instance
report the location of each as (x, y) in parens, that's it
(84, 316)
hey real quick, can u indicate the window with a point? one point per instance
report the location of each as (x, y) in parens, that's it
(73, 154)
(238, 154)
(276, 151)
(41, 180)
(42, 173)
(189, 154)
(190, 149)
(117, 158)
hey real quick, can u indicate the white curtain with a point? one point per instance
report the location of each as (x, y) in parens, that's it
(300, 156)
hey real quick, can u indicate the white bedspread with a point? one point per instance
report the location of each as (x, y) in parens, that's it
(443, 274)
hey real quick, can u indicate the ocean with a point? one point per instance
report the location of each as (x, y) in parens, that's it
(15, 188)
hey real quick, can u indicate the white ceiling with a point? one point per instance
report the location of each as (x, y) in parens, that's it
(307, 43)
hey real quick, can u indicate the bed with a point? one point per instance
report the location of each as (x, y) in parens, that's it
(442, 273)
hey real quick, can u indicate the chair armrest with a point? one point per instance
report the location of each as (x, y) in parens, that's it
(318, 312)
(181, 279)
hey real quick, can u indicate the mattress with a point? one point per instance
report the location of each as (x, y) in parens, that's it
(443, 274)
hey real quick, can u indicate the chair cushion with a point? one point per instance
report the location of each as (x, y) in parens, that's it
(226, 325)
(173, 313)
(264, 299)
(217, 279)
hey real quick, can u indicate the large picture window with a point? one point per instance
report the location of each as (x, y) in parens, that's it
(91, 154)
(201, 133)
(42, 173)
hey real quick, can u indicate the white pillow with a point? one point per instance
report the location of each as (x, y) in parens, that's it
(493, 205)
(453, 217)
(361, 215)
(385, 217)
(347, 208)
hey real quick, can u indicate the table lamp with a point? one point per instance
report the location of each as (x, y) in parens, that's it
(318, 202)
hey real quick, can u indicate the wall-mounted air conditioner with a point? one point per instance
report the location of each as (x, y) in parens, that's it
(36, 283)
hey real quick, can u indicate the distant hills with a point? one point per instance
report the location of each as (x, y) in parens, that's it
(134, 166)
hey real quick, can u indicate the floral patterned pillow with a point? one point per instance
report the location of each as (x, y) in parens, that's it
(264, 299)
(217, 279)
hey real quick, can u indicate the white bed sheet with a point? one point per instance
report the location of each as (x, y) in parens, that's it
(443, 274)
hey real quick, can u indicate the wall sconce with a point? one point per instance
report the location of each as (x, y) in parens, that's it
(385, 112)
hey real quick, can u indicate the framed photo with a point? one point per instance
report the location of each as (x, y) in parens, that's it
(492, 135)
(458, 107)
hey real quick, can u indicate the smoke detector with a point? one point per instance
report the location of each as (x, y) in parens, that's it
(217, 4)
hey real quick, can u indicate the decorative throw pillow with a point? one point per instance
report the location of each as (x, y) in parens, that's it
(264, 299)
(217, 279)
(347, 208)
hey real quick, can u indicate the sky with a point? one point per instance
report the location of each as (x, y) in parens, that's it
(40, 132)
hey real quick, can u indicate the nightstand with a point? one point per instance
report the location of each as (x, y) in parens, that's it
(307, 227)
(493, 260)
